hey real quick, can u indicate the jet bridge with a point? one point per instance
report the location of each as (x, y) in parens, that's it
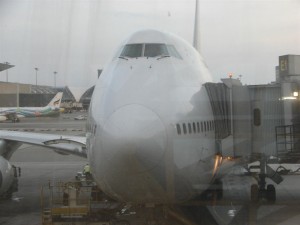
(231, 109)
(257, 123)
(219, 96)
(259, 119)
(250, 119)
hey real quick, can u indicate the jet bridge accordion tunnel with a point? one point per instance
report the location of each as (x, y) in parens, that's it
(256, 119)
(220, 99)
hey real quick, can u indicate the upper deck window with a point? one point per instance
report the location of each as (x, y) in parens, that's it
(149, 50)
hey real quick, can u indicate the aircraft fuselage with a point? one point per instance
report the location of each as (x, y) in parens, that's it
(151, 126)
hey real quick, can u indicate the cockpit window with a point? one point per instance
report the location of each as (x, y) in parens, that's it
(154, 50)
(173, 52)
(132, 50)
(149, 50)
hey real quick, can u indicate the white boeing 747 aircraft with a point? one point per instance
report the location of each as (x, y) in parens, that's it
(150, 134)
(15, 113)
(150, 130)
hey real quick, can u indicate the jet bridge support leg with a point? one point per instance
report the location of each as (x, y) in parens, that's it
(262, 178)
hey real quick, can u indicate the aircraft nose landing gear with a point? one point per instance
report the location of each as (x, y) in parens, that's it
(260, 191)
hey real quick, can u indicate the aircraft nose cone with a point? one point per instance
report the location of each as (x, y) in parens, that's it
(133, 139)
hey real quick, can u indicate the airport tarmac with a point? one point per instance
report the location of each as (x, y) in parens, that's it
(65, 122)
(39, 166)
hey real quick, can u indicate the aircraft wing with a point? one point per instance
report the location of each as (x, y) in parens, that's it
(63, 144)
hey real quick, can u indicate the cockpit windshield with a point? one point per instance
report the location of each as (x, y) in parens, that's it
(149, 50)
(154, 50)
(132, 50)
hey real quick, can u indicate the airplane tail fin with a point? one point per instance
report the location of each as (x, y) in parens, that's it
(55, 102)
(196, 41)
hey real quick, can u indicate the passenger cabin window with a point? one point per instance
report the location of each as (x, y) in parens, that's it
(194, 127)
(149, 50)
(190, 128)
(184, 128)
(178, 129)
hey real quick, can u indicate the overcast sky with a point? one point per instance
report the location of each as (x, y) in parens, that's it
(77, 37)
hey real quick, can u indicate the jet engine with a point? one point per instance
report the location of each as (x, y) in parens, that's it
(8, 179)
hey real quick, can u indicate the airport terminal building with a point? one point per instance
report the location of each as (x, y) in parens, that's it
(21, 95)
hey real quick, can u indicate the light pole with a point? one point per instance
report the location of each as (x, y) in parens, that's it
(7, 63)
(18, 93)
(55, 78)
(36, 70)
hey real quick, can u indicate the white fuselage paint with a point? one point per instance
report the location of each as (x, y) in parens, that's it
(135, 151)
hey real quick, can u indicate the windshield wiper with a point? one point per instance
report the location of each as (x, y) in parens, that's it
(163, 56)
(122, 57)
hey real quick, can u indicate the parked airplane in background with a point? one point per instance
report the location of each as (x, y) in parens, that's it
(15, 113)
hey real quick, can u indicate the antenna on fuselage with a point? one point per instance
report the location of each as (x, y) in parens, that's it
(196, 41)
